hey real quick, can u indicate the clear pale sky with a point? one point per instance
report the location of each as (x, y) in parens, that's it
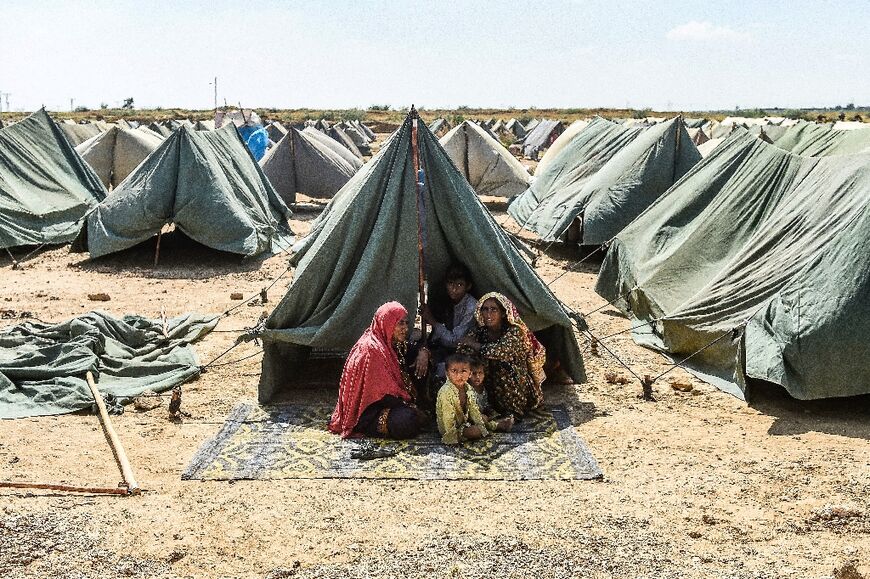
(330, 54)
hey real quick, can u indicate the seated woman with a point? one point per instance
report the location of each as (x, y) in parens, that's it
(376, 396)
(514, 357)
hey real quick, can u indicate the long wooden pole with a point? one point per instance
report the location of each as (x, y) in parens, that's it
(114, 441)
(65, 488)
(421, 277)
(157, 249)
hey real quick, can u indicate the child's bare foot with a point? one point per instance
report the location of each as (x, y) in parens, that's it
(472, 433)
(505, 424)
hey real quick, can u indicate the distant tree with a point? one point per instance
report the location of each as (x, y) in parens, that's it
(850, 107)
(641, 114)
(128, 104)
(354, 115)
(379, 107)
(104, 106)
(81, 109)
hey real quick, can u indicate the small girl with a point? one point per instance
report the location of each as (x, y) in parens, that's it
(478, 374)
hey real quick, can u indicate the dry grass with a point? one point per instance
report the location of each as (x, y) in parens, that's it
(393, 117)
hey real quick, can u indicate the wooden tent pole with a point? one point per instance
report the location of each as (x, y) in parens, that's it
(114, 441)
(65, 488)
(421, 277)
(467, 168)
(677, 147)
(157, 249)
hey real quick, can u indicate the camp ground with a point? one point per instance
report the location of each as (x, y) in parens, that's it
(165, 388)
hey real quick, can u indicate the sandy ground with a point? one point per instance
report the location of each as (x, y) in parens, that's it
(697, 484)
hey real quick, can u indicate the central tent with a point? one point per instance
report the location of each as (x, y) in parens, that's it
(364, 250)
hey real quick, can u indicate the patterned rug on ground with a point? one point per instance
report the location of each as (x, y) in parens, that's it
(291, 442)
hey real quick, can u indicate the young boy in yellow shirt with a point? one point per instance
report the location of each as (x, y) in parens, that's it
(457, 409)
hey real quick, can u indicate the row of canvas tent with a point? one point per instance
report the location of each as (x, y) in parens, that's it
(748, 218)
(748, 264)
(150, 177)
(205, 182)
(754, 267)
(316, 164)
(362, 251)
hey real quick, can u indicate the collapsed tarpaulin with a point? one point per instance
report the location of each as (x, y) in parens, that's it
(43, 366)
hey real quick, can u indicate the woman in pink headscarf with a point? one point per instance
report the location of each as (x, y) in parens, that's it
(376, 396)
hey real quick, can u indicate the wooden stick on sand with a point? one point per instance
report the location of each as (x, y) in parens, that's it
(114, 441)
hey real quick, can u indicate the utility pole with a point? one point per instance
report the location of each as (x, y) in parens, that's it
(71, 104)
(215, 93)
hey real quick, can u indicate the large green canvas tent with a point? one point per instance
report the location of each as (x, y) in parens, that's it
(579, 160)
(206, 183)
(363, 251)
(560, 143)
(113, 155)
(45, 187)
(300, 163)
(603, 179)
(486, 164)
(763, 254)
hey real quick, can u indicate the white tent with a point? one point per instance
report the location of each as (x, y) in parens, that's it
(485, 163)
(114, 154)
